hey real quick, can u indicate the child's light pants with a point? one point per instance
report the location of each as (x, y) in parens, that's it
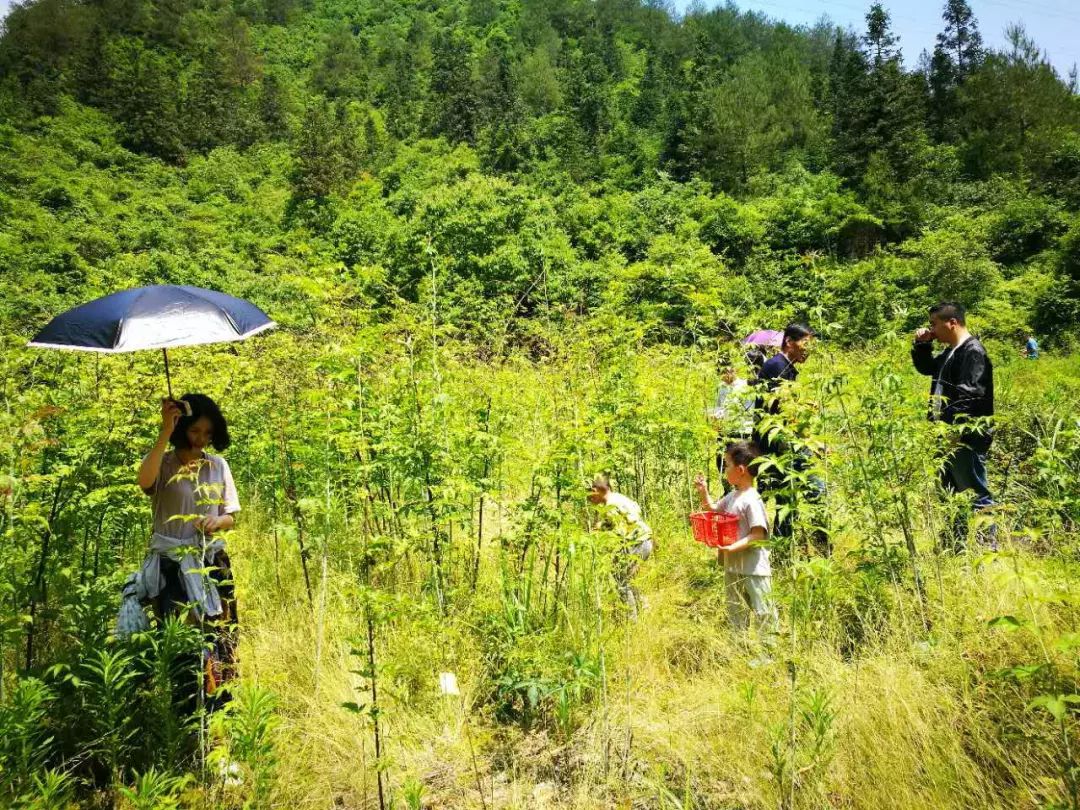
(749, 600)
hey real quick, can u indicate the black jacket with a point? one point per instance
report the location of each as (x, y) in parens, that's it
(967, 385)
(776, 370)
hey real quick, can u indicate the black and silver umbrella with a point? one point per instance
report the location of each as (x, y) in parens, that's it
(163, 316)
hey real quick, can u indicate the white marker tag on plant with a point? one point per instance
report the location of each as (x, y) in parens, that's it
(448, 683)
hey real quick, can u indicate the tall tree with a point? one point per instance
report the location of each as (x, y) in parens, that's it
(1016, 109)
(848, 77)
(957, 55)
(342, 70)
(878, 109)
(38, 39)
(454, 100)
(587, 91)
(403, 80)
(274, 107)
(321, 159)
(144, 94)
(222, 92)
(961, 39)
(755, 120)
(875, 104)
(879, 37)
(501, 112)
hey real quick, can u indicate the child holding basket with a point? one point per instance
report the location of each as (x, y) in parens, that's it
(747, 574)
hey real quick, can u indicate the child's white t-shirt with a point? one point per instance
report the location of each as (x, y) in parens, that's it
(748, 507)
(623, 516)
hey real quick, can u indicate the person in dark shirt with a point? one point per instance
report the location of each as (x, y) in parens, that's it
(961, 394)
(778, 369)
(789, 490)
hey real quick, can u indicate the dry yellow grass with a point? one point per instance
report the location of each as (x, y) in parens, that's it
(684, 719)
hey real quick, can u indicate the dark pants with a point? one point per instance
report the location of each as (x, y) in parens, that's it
(226, 629)
(218, 661)
(788, 503)
(793, 493)
(965, 471)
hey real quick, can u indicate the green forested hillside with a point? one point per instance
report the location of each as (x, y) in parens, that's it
(594, 138)
(506, 243)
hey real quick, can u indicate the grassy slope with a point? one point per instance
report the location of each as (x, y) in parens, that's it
(917, 719)
(678, 716)
(916, 724)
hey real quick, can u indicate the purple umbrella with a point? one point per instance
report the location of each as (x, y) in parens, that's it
(764, 337)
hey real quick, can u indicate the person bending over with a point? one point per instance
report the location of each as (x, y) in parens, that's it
(622, 516)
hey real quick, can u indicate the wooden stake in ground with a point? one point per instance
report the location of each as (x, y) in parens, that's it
(290, 495)
(448, 685)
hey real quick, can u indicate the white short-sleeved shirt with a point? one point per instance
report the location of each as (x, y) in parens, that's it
(735, 406)
(622, 515)
(748, 507)
(176, 492)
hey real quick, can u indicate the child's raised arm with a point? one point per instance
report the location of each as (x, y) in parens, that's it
(703, 492)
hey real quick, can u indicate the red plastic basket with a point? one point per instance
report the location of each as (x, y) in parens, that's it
(715, 528)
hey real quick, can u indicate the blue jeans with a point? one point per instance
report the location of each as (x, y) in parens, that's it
(966, 470)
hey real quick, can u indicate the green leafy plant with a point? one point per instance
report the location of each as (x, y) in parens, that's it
(154, 790)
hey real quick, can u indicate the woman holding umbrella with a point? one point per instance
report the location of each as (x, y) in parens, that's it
(193, 495)
(194, 500)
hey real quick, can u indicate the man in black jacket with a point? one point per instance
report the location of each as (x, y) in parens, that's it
(961, 393)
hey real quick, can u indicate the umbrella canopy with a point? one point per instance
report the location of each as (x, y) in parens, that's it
(157, 317)
(764, 337)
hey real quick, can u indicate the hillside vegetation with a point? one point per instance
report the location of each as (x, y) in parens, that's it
(506, 243)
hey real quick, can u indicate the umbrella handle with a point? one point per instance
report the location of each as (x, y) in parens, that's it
(168, 379)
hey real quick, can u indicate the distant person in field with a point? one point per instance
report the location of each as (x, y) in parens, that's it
(755, 359)
(733, 412)
(1031, 348)
(747, 573)
(962, 394)
(194, 500)
(622, 516)
(778, 370)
